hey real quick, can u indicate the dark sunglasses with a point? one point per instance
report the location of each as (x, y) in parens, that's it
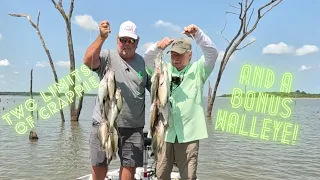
(176, 80)
(124, 40)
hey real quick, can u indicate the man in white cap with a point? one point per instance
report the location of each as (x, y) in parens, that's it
(132, 78)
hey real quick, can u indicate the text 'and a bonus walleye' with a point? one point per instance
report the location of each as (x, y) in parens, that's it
(271, 128)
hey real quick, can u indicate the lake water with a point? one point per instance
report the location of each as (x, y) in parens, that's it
(62, 149)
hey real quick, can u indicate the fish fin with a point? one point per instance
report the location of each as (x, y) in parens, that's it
(109, 152)
(152, 106)
(149, 134)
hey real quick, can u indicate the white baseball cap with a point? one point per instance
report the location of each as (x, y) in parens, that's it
(128, 29)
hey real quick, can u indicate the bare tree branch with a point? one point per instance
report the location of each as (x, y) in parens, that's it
(54, 3)
(234, 6)
(71, 9)
(229, 12)
(60, 9)
(38, 18)
(74, 113)
(246, 45)
(250, 18)
(44, 46)
(241, 34)
(225, 38)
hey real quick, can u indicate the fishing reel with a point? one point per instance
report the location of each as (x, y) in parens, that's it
(176, 80)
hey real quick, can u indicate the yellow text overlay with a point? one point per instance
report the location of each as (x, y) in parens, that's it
(266, 129)
(19, 117)
(273, 108)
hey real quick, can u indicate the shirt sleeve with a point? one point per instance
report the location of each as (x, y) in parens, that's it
(207, 61)
(104, 59)
(149, 57)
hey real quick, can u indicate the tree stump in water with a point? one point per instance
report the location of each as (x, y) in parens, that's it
(33, 135)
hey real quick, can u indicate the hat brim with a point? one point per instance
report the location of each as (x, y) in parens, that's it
(127, 34)
(178, 50)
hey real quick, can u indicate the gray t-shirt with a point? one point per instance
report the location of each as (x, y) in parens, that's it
(133, 79)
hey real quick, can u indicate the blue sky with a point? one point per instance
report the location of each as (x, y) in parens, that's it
(286, 39)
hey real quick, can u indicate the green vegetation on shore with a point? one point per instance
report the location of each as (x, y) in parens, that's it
(34, 93)
(296, 94)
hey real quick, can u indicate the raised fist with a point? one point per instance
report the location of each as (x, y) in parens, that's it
(104, 29)
(164, 43)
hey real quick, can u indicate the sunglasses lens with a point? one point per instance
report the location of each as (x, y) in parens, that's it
(123, 40)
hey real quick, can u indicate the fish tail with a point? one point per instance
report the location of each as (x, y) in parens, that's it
(109, 149)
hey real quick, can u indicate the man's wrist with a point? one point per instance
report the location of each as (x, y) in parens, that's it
(102, 38)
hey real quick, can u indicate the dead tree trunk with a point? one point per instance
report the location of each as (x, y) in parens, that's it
(31, 95)
(242, 33)
(209, 93)
(36, 26)
(74, 113)
(32, 134)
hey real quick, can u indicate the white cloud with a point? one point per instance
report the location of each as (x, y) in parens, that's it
(303, 68)
(63, 63)
(168, 26)
(15, 72)
(0, 36)
(3, 82)
(1, 76)
(86, 22)
(4, 62)
(306, 49)
(144, 47)
(42, 64)
(280, 48)
(221, 54)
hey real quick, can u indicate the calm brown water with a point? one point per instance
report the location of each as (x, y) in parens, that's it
(62, 150)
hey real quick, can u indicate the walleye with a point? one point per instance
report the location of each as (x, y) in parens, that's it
(160, 107)
(111, 102)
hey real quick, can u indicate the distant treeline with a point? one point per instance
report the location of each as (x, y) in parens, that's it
(35, 94)
(296, 94)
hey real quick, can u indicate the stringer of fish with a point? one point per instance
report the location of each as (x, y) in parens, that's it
(160, 106)
(111, 102)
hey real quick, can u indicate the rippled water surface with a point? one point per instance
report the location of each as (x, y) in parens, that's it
(62, 150)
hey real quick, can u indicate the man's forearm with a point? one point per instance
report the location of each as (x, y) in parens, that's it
(150, 55)
(91, 58)
(208, 48)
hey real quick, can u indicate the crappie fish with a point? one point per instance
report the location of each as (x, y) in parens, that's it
(106, 90)
(111, 84)
(109, 105)
(114, 111)
(160, 105)
(163, 86)
(154, 118)
(158, 136)
(155, 79)
(103, 135)
(154, 85)
(103, 92)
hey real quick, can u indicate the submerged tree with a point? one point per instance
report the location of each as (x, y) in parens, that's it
(36, 27)
(243, 32)
(74, 112)
(33, 133)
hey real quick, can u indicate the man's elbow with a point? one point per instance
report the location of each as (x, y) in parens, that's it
(86, 61)
(91, 63)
